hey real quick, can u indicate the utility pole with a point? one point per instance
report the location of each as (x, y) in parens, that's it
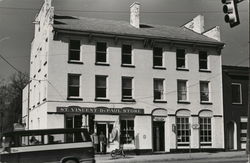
(248, 117)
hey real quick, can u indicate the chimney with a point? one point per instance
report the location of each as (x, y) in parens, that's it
(196, 25)
(134, 15)
(213, 33)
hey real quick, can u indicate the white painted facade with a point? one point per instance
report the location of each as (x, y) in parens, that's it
(49, 71)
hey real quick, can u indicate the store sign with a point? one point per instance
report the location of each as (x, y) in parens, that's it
(99, 110)
(159, 119)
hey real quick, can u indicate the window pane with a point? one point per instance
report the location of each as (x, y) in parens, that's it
(74, 50)
(126, 88)
(101, 47)
(180, 55)
(157, 59)
(126, 82)
(204, 91)
(158, 89)
(100, 57)
(75, 44)
(126, 49)
(101, 86)
(74, 55)
(73, 85)
(182, 90)
(203, 59)
(236, 93)
(126, 59)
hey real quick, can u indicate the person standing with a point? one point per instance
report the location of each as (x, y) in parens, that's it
(95, 141)
(102, 139)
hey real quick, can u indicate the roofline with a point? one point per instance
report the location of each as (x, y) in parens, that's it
(142, 37)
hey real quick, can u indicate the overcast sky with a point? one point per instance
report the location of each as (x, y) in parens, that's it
(16, 28)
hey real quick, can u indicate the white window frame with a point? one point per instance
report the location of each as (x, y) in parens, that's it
(99, 62)
(100, 98)
(132, 88)
(162, 58)
(80, 51)
(187, 96)
(209, 92)
(79, 86)
(207, 59)
(205, 143)
(240, 93)
(185, 57)
(163, 87)
(132, 55)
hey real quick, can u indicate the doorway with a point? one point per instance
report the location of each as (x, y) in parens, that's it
(231, 136)
(158, 136)
(106, 129)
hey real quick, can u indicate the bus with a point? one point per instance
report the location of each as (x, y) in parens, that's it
(47, 145)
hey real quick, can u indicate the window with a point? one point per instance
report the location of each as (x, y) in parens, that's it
(101, 87)
(205, 131)
(181, 59)
(74, 50)
(204, 91)
(243, 132)
(158, 89)
(183, 131)
(127, 54)
(203, 62)
(236, 93)
(127, 132)
(182, 90)
(101, 52)
(157, 57)
(127, 88)
(73, 85)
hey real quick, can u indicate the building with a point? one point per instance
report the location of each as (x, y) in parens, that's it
(153, 87)
(235, 90)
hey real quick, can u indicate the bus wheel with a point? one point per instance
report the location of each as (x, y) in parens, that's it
(70, 161)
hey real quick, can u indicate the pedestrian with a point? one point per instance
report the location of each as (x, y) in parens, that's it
(102, 139)
(95, 140)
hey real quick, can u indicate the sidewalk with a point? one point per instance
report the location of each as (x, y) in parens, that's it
(167, 157)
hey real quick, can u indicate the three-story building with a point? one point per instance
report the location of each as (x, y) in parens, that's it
(151, 87)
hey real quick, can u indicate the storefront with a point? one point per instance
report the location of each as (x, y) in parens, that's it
(116, 124)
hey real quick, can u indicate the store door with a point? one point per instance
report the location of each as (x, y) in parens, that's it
(158, 136)
(106, 129)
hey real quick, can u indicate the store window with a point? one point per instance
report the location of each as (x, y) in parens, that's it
(127, 132)
(127, 55)
(74, 85)
(183, 131)
(182, 90)
(101, 87)
(157, 57)
(203, 61)
(74, 50)
(101, 52)
(236, 93)
(127, 88)
(158, 89)
(204, 91)
(205, 131)
(181, 58)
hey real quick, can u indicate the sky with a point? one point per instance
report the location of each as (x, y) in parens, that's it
(17, 30)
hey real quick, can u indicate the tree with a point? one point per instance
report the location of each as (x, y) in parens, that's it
(11, 100)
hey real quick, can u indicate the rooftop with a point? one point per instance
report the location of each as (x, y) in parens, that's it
(123, 28)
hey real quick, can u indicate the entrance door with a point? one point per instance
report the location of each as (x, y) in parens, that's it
(158, 136)
(231, 136)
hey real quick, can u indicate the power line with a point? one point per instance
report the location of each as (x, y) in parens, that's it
(116, 11)
(10, 64)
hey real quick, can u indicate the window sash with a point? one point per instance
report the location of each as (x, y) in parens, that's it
(73, 85)
(182, 90)
(158, 89)
(157, 56)
(236, 93)
(204, 91)
(203, 61)
(74, 49)
(181, 58)
(127, 88)
(205, 130)
(183, 130)
(101, 52)
(101, 86)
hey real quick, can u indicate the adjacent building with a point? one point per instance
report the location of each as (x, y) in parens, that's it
(235, 90)
(151, 87)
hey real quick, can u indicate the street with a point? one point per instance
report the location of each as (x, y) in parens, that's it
(207, 160)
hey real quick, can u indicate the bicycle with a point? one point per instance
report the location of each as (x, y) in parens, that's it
(116, 152)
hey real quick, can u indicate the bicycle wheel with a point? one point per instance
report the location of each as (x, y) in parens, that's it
(113, 153)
